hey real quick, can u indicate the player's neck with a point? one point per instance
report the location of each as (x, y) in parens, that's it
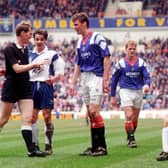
(40, 49)
(20, 42)
(86, 33)
(131, 58)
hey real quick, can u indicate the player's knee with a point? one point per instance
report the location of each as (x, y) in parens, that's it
(93, 111)
(129, 116)
(27, 120)
(47, 117)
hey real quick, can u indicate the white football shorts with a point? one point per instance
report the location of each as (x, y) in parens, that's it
(91, 88)
(130, 97)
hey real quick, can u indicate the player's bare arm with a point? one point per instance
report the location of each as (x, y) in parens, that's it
(23, 68)
(54, 79)
(106, 74)
(74, 79)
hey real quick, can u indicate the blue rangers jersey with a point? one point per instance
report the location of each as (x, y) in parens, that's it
(130, 76)
(55, 65)
(91, 52)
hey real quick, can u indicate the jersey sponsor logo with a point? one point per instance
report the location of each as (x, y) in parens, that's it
(37, 70)
(85, 55)
(132, 74)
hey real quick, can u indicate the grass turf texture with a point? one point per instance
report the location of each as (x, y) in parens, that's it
(73, 136)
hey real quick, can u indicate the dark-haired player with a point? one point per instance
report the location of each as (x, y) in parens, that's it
(92, 63)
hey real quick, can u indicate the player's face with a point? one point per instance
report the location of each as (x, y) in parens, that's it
(79, 27)
(26, 36)
(131, 50)
(39, 41)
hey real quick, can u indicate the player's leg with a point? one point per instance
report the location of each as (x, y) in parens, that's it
(47, 104)
(26, 109)
(97, 131)
(35, 129)
(136, 112)
(137, 106)
(49, 131)
(164, 154)
(36, 106)
(127, 104)
(6, 109)
(97, 122)
(129, 126)
(84, 90)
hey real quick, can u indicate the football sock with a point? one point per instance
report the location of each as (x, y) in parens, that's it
(97, 121)
(35, 132)
(129, 128)
(27, 136)
(98, 132)
(49, 130)
(102, 137)
(135, 123)
(94, 138)
(165, 139)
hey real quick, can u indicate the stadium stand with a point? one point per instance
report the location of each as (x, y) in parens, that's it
(23, 9)
(52, 8)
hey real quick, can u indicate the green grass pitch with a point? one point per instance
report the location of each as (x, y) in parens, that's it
(72, 136)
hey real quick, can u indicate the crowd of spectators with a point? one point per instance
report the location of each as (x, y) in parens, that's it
(154, 52)
(24, 9)
(27, 9)
(160, 8)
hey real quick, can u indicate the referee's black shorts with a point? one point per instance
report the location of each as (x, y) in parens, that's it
(14, 90)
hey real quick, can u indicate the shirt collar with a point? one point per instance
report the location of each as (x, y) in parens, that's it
(35, 50)
(19, 46)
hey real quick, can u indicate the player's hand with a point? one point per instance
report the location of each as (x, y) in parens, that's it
(40, 63)
(145, 89)
(71, 89)
(50, 80)
(113, 101)
(2, 71)
(106, 88)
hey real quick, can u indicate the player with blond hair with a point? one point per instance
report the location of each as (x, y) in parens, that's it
(132, 75)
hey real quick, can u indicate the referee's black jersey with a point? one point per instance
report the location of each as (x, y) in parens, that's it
(15, 55)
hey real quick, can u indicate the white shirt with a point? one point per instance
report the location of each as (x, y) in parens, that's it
(55, 64)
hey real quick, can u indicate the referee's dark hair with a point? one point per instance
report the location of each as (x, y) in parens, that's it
(22, 26)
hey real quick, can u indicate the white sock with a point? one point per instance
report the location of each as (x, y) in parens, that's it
(165, 139)
(46, 138)
(35, 133)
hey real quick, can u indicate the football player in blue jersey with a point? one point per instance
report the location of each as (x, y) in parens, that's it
(42, 80)
(92, 63)
(132, 75)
